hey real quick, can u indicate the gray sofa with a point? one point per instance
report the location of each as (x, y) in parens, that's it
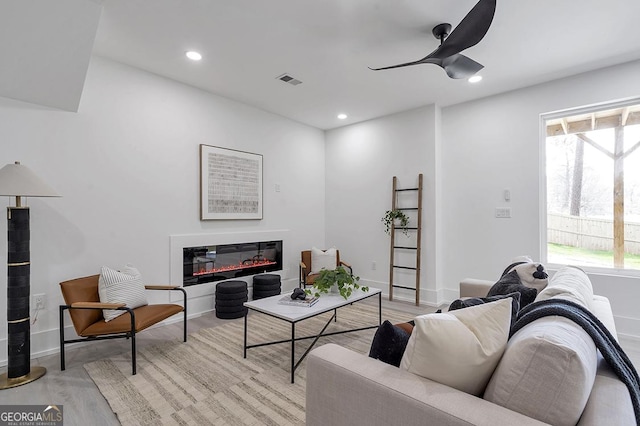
(349, 388)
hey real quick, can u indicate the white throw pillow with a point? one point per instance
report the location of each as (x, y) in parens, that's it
(120, 287)
(323, 259)
(129, 269)
(572, 284)
(459, 348)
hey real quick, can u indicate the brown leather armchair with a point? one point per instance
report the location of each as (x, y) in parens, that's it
(83, 302)
(306, 277)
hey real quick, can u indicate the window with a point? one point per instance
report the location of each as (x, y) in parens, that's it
(592, 165)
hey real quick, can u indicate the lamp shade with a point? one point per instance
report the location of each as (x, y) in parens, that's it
(17, 180)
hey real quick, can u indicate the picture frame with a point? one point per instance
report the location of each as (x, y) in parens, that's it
(230, 184)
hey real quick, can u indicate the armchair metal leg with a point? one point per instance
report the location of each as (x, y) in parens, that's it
(62, 366)
(300, 281)
(184, 320)
(133, 340)
(185, 326)
(133, 353)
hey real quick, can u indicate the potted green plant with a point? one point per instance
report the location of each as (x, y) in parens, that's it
(344, 281)
(395, 218)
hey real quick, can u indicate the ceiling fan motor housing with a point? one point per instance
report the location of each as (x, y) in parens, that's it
(441, 31)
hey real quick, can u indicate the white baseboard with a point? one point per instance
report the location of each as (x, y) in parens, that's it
(431, 298)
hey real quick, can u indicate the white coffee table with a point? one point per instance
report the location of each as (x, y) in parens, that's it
(294, 314)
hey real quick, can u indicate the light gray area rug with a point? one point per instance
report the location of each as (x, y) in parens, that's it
(206, 381)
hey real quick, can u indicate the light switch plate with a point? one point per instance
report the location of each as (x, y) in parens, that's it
(503, 212)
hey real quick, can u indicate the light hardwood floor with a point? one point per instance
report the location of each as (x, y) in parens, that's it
(84, 404)
(74, 389)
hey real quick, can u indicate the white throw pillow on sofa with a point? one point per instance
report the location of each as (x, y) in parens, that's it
(572, 284)
(120, 287)
(323, 259)
(547, 371)
(460, 348)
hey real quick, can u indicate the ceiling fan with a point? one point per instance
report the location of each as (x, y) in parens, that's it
(468, 33)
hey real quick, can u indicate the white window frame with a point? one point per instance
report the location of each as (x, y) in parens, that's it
(543, 182)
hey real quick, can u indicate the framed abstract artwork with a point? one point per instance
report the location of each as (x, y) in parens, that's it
(230, 184)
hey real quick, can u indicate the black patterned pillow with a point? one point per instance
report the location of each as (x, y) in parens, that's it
(389, 344)
(473, 301)
(532, 274)
(510, 283)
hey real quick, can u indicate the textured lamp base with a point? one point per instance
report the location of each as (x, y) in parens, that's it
(34, 374)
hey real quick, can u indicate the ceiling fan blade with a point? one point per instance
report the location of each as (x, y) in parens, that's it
(469, 31)
(406, 64)
(456, 66)
(460, 66)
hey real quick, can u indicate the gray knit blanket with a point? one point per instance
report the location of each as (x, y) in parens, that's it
(604, 341)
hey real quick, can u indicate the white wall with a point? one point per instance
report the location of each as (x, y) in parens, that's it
(493, 144)
(469, 154)
(127, 165)
(361, 161)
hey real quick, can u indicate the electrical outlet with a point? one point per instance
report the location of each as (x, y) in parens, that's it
(38, 301)
(374, 265)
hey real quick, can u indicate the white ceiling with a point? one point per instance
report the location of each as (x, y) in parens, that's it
(45, 48)
(328, 45)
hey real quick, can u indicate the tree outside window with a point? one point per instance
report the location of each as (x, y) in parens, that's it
(593, 188)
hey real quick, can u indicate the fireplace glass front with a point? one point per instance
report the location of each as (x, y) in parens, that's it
(225, 261)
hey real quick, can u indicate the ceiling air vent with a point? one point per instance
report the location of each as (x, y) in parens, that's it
(288, 79)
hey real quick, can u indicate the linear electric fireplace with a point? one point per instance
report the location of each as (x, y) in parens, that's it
(205, 264)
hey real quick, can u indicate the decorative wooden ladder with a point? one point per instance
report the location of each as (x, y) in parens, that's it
(418, 228)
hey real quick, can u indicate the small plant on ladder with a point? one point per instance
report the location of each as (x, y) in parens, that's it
(392, 217)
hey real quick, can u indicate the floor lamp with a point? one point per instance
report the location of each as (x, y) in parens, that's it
(18, 181)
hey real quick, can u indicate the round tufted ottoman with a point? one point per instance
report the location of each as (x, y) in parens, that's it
(230, 297)
(265, 285)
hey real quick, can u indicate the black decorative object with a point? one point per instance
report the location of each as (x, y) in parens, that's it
(468, 33)
(18, 181)
(298, 293)
(540, 273)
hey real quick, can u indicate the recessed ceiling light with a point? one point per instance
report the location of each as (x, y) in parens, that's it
(474, 78)
(342, 116)
(193, 55)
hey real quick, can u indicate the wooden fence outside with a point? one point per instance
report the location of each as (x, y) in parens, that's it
(592, 234)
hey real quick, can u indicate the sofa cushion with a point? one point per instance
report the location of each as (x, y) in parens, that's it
(547, 371)
(510, 283)
(120, 287)
(389, 343)
(459, 348)
(609, 401)
(572, 284)
(473, 301)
